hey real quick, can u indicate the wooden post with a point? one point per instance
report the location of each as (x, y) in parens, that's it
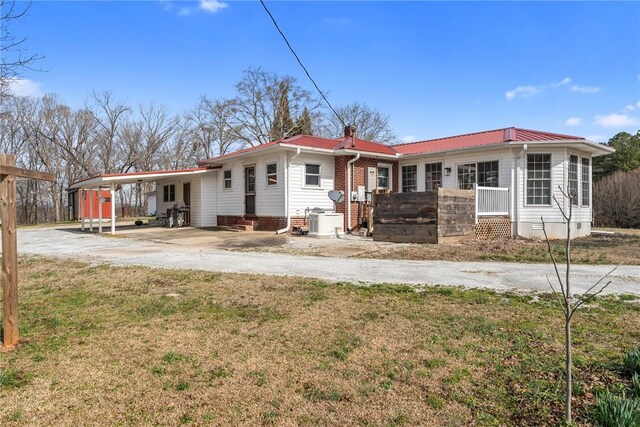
(9, 255)
(100, 210)
(8, 174)
(81, 196)
(91, 210)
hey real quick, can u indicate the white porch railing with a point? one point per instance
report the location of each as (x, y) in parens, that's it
(492, 201)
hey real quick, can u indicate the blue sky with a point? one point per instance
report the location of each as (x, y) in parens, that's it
(437, 69)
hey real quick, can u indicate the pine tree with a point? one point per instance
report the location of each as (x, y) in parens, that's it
(303, 124)
(283, 123)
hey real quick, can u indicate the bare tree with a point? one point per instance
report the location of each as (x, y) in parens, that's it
(372, 125)
(213, 128)
(259, 104)
(13, 54)
(569, 302)
(110, 116)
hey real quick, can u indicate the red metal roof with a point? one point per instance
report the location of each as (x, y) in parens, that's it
(497, 136)
(477, 139)
(315, 142)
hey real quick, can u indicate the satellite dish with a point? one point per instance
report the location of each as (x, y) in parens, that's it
(336, 196)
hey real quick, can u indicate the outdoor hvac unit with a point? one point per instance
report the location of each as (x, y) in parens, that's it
(325, 224)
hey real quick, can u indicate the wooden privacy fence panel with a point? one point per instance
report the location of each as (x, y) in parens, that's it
(425, 217)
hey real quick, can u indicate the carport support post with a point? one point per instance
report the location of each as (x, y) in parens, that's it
(90, 209)
(100, 210)
(112, 195)
(81, 197)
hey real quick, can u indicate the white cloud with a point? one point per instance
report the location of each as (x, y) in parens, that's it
(585, 89)
(213, 6)
(523, 91)
(573, 121)
(24, 87)
(338, 21)
(408, 138)
(562, 82)
(616, 120)
(629, 107)
(210, 6)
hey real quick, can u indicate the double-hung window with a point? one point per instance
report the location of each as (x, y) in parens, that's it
(169, 193)
(227, 179)
(586, 187)
(272, 174)
(539, 179)
(488, 174)
(573, 178)
(312, 175)
(466, 176)
(432, 176)
(409, 179)
(384, 177)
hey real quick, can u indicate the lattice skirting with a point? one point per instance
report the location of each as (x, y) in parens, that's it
(491, 228)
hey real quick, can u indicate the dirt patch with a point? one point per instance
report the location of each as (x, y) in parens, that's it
(619, 248)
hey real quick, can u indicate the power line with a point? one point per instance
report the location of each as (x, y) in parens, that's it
(301, 64)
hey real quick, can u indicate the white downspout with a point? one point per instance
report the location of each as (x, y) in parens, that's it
(286, 192)
(520, 191)
(348, 195)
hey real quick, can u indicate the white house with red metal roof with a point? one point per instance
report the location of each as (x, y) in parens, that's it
(516, 173)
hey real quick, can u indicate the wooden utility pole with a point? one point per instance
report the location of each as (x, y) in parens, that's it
(8, 174)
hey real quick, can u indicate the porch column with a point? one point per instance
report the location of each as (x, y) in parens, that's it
(112, 191)
(81, 204)
(100, 210)
(91, 209)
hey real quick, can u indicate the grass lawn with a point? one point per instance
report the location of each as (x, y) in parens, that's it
(136, 346)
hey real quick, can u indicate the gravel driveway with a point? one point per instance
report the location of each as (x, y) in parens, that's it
(70, 243)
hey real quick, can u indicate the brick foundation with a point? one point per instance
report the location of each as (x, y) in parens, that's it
(360, 172)
(265, 223)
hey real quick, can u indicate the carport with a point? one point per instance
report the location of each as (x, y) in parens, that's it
(109, 182)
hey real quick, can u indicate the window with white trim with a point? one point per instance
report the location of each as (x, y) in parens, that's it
(432, 176)
(312, 175)
(384, 177)
(272, 174)
(227, 179)
(488, 174)
(538, 179)
(466, 176)
(169, 193)
(573, 179)
(586, 183)
(409, 178)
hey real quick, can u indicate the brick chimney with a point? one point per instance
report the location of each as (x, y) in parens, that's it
(350, 132)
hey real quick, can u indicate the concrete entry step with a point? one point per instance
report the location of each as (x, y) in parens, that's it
(242, 227)
(248, 222)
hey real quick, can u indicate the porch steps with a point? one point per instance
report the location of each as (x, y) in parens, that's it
(246, 225)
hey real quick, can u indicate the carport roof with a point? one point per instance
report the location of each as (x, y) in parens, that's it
(133, 177)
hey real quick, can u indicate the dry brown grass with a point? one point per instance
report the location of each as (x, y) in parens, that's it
(137, 346)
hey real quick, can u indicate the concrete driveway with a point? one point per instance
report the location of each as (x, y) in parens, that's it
(72, 244)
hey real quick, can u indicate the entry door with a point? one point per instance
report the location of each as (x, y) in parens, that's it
(250, 190)
(186, 193)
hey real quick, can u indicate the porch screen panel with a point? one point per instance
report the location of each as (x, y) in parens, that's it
(573, 178)
(539, 179)
(488, 174)
(586, 184)
(432, 176)
(409, 179)
(466, 176)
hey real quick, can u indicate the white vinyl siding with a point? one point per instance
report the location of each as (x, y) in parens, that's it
(303, 196)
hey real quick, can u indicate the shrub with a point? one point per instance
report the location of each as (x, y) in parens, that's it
(632, 361)
(635, 382)
(616, 411)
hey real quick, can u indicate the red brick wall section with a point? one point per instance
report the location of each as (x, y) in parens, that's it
(266, 223)
(360, 172)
